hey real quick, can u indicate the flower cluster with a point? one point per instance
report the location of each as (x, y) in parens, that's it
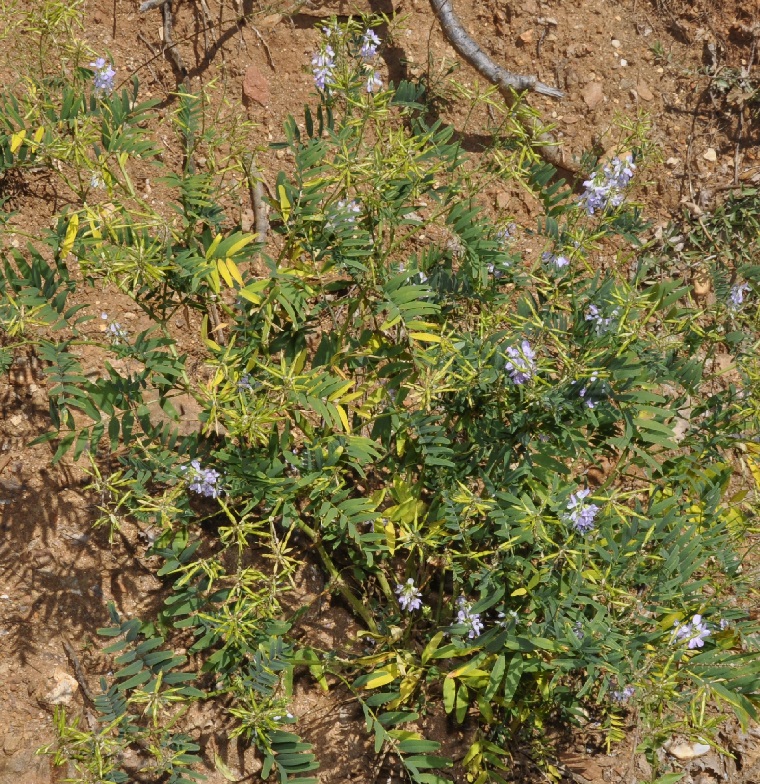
(204, 481)
(606, 186)
(555, 260)
(591, 390)
(409, 597)
(103, 77)
(581, 514)
(695, 632)
(521, 364)
(471, 619)
(115, 331)
(370, 42)
(601, 323)
(623, 695)
(737, 295)
(323, 65)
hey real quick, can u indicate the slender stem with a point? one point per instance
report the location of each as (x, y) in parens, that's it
(336, 577)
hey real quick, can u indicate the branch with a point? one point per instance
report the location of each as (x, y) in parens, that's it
(480, 61)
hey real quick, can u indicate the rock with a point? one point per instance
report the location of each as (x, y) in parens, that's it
(255, 87)
(526, 37)
(624, 63)
(688, 751)
(502, 200)
(268, 22)
(593, 94)
(672, 163)
(642, 88)
(710, 155)
(64, 687)
(615, 43)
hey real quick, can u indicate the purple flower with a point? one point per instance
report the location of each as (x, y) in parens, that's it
(737, 295)
(374, 82)
(204, 481)
(558, 261)
(605, 188)
(370, 42)
(466, 616)
(623, 695)
(695, 632)
(601, 323)
(521, 365)
(409, 597)
(117, 333)
(581, 514)
(103, 77)
(323, 63)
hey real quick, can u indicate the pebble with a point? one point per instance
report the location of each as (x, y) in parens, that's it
(710, 155)
(688, 751)
(615, 43)
(593, 94)
(642, 88)
(672, 163)
(623, 63)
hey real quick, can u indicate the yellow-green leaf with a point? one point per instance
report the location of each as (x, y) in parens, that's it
(380, 678)
(17, 140)
(70, 236)
(234, 271)
(285, 205)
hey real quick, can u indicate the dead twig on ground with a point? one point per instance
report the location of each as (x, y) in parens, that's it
(508, 83)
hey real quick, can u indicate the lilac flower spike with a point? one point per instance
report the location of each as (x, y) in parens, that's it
(466, 616)
(737, 295)
(370, 42)
(695, 632)
(581, 514)
(409, 597)
(104, 75)
(323, 63)
(521, 364)
(623, 695)
(605, 188)
(204, 481)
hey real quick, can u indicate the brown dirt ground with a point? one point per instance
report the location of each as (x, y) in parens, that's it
(612, 58)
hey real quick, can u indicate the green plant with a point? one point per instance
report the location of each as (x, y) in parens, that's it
(514, 469)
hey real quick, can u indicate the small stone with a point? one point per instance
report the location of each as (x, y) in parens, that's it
(615, 43)
(63, 689)
(593, 94)
(642, 88)
(623, 63)
(526, 37)
(502, 200)
(710, 155)
(672, 163)
(688, 751)
(255, 87)
(268, 22)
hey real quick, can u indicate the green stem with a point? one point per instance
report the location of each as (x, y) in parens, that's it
(337, 579)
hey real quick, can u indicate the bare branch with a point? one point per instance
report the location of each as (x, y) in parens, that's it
(480, 61)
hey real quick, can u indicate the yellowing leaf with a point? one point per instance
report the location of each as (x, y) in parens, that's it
(519, 592)
(70, 236)
(234, 271)
(224, 272)
(425, 337)
(343, 418)
(236, 247)
(380, 678)
(17, 140)
(214, 245)
(390, 536)
(285, 205)
(38, 134)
